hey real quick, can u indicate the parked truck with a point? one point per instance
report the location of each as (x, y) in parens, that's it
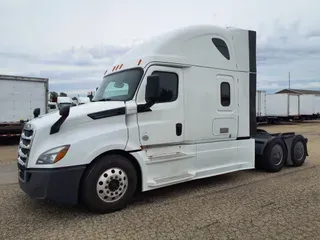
(19, 96)
(186, 111)
(82, 100)
(64, 101)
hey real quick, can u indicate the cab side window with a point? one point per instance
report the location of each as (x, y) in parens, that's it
(225, 94)
(169, 82)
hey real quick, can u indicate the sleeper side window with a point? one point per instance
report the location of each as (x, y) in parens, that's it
(168, 86)
(222, 47)
(225, 94)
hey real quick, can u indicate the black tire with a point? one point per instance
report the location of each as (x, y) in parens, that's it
(127, 183)
(273, 163)
(298, 151)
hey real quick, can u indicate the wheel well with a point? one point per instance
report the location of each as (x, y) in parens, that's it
(125, 154)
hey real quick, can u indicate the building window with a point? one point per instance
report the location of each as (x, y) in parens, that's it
(225, 94)
(168, 86)
(222, 47)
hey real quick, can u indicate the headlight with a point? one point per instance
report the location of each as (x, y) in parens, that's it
(53, 155)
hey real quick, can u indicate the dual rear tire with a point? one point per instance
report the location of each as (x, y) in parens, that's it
(276, 153)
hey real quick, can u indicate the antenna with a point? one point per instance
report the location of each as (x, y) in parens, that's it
(289, 80)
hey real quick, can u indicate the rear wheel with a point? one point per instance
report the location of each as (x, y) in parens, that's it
(274, 155)
(298, 151)
(109, 184)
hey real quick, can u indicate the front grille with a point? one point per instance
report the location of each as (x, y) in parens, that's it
(25, 143)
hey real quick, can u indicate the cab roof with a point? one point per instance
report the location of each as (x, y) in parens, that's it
(201, 45)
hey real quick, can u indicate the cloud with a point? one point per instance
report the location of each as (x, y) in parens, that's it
(284, 48)
(72, 69)
(75, 56)
(289, 48)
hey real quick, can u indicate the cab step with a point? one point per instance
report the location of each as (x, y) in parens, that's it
(156, 182)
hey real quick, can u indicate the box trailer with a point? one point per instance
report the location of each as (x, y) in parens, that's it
(309, 106)
(282, 106)
(19, 96)
(317, 106)
(261, 106)
(187, 111)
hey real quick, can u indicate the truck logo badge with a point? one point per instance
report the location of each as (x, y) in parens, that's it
(145, 138)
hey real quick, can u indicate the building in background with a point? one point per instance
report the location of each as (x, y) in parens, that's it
(299, 92)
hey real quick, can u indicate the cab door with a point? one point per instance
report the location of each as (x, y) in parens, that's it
(164, 122)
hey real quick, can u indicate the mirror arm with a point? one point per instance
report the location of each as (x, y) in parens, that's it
(149, 104)
(146, 107)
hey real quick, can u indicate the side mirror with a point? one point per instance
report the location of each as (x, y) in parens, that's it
(36, 112)
(64, 111)
(153, 89)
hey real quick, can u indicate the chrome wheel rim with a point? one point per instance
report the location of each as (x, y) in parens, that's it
(112, 185)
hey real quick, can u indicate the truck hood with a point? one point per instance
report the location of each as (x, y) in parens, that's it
(78, 114)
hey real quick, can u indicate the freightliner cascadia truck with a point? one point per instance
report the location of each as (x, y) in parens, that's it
(176, 108)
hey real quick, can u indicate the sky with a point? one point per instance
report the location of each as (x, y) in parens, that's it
(73, 42)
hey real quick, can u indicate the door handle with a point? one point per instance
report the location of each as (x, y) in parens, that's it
(179, 129)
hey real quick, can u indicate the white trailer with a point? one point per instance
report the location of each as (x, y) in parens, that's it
(187, 111)
(317, 106)
(309, 106)
(19, 96)
(261, 106)
(282, 106)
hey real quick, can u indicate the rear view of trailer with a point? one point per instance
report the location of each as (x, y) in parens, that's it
(19, 96)
(261, 106)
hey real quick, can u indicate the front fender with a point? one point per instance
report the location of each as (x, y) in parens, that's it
(87, 140)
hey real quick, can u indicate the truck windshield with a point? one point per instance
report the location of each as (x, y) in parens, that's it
(119, 86)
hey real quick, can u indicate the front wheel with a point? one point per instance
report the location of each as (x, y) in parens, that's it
(109, 184)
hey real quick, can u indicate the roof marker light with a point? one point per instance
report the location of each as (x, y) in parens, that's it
(117, 67)
(139, 62)
(120, 66)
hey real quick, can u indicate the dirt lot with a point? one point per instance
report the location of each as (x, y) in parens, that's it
(243, 205)
(8, 150)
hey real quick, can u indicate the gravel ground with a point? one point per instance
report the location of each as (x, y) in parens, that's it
(242, 205)
(8, 150)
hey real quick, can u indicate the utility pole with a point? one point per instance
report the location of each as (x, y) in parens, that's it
(289, 80)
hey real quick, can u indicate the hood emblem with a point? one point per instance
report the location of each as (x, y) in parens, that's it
(145, 137)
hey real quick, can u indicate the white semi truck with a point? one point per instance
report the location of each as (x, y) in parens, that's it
(82, 100)
(19, 96)
(178, 108)
(64, 101)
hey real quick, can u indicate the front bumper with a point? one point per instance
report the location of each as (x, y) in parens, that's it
(60, 185)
